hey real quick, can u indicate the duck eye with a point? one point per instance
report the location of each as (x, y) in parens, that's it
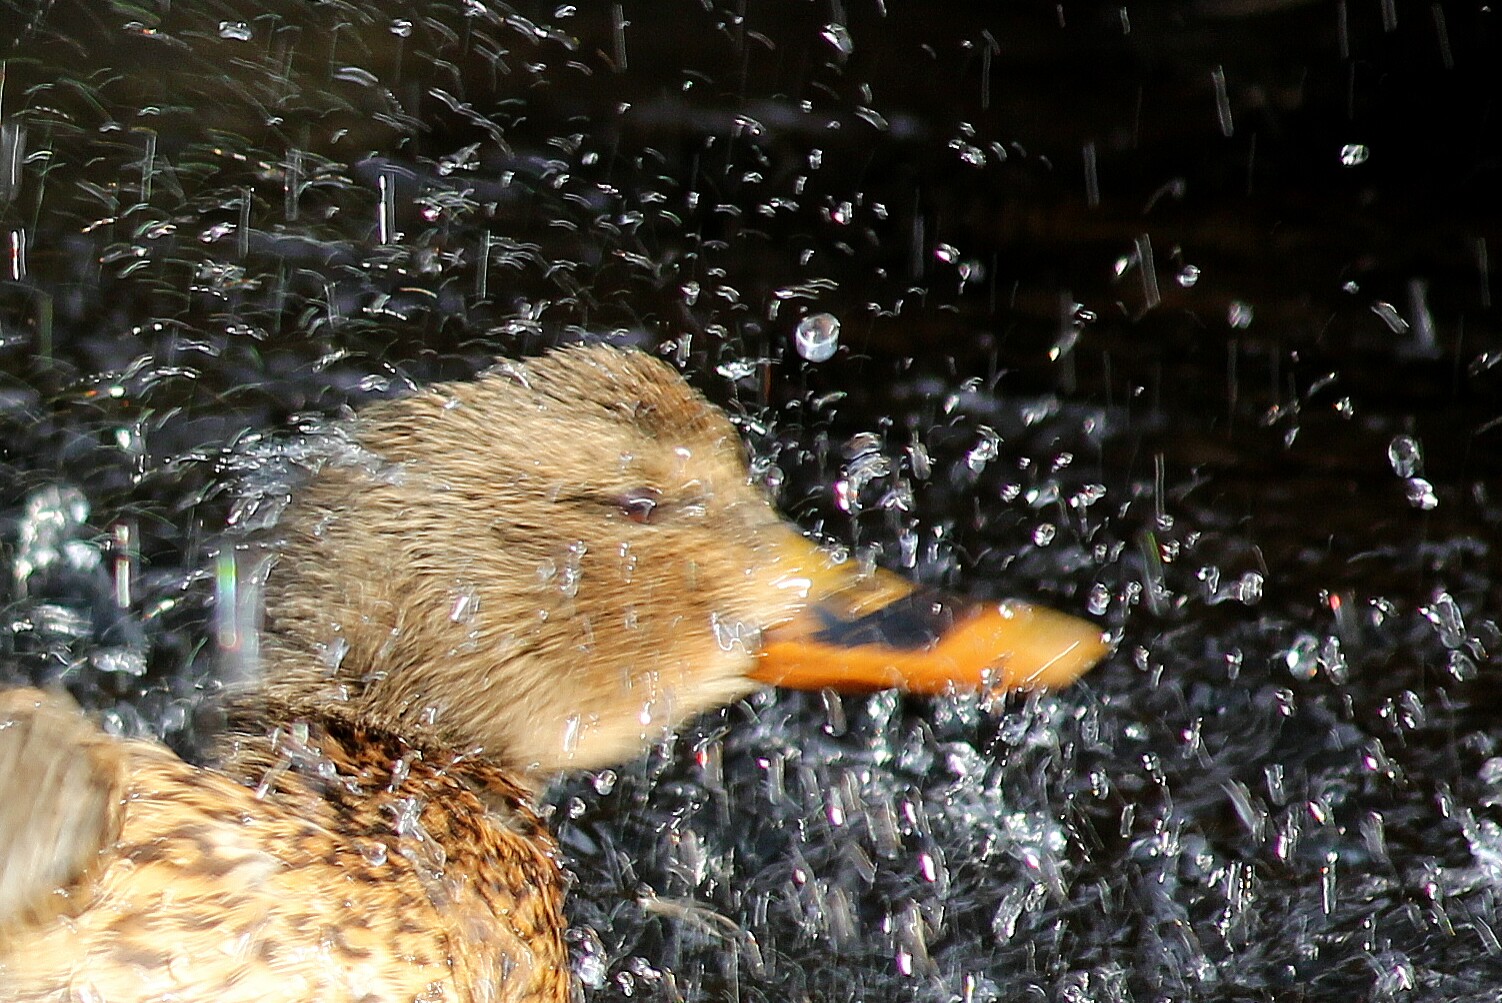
(640, 504)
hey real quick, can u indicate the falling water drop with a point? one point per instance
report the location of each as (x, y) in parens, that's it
(16, 256)
(1099, 599)
(1222, 102)
(1353, 154)
(1420, 494)
(817, 337)
(12, 156)
(1390, 316)
(1447, 618)
(838, 36)
(1302, 657)
(1406, 456)
(386, 210)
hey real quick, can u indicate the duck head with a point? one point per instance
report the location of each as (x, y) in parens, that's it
(562, 559)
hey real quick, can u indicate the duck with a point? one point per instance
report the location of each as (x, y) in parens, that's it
(545, 568)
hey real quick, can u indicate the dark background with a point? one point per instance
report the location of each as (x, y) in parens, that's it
(1189, 307)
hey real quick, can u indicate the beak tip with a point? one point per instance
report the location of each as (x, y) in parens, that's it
(1044, 649)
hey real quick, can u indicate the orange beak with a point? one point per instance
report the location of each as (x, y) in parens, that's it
(859, 633)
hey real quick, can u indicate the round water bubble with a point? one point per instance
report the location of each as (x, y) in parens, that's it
(817, 337)
(1406, 456)
(1353, 154)
(1099, 599)
(1302, 657)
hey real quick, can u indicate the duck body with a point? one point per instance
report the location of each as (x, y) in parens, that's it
(340, 865)
(478, 586)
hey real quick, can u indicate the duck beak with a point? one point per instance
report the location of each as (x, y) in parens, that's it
(862, 632)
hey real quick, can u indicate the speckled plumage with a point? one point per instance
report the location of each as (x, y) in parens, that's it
(358, 868)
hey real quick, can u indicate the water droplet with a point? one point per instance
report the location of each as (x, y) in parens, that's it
(119, 661)
(236, 31)
(591, 962)
(1462, 667)
(984, 451)
(1239, 315)
(464, 606)
(817, 337)
(1395, 975)
(1445, 614)
(12, 156)
(604, 782)
(946, 253)
(332, 655)
(1406, 456)
(907, 548)
(386, 211)
(737, 369)
(1333, 661)
(1491, 772)
(1354, 153)
(1302, 657)
(572, 570)
(401, 28)
(1249, 589)
(921, 463)
(844, 497)
(838, 36)
(1087, 496)
(374, 852)
(1004, 921)
(1044, 533)
(1222, 102)
(1099, 599)
(1327, 882)
(969, 153)
(1390, 316)
(1420, 494)
(1188, 276)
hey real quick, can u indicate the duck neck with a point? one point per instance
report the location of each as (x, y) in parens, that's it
(462, 827)
(274, 749)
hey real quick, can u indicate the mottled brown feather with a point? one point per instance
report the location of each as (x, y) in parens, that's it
(348, 878)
